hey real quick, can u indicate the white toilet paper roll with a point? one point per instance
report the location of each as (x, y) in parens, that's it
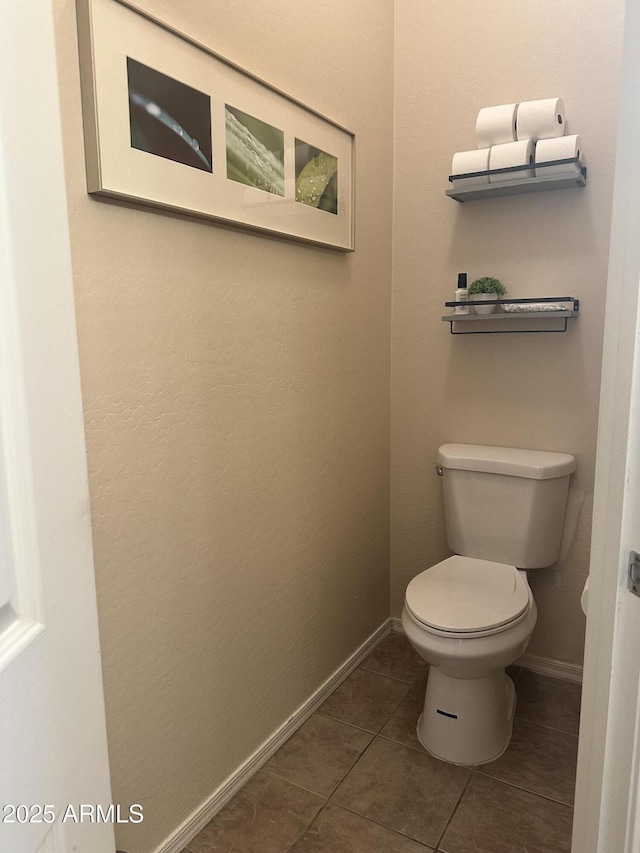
(496, 125)
(563, 148)
(541, 119)
(470, 161)
(512, 154)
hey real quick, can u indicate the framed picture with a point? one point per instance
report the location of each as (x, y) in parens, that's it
(170, 124)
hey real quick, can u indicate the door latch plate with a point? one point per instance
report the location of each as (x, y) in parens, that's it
(634, 573)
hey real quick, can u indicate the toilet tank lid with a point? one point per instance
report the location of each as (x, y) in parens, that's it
(512, 461)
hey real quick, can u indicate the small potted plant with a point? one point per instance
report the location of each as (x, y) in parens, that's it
(486, 288)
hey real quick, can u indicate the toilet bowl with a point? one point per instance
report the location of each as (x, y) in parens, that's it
(469, 619)
(473, 614)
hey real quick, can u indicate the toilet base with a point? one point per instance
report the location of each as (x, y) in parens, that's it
(467, 720)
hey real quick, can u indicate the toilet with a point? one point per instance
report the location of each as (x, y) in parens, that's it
(472, 615)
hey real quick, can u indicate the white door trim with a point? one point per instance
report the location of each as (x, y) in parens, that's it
(599, 759)
(53, 746)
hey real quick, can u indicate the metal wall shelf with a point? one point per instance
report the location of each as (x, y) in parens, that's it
(575, 176)
(534, 317)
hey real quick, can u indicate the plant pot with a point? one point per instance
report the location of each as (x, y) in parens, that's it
(483, 297)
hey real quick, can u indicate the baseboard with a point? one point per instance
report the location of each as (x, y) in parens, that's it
(212, 805)
(536, 663)
(549, 666)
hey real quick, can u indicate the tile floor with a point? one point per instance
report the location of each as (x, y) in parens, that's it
(354, 778)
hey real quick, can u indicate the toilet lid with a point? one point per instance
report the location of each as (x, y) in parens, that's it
(465, 595)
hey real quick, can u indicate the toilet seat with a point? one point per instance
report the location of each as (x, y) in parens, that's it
(464, 597)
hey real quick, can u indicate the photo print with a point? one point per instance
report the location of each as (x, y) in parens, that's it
(316, 177)
(255, 152)
(169, 119)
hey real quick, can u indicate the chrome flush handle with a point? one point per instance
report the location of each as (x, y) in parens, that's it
(439, 471)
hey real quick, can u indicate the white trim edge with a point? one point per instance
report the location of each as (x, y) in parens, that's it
(536, 663)
(198, 819)
(549, 666)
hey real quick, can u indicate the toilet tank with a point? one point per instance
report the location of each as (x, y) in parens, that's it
(505, 504)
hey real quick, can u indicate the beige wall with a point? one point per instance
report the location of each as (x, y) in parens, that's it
(538, 391)
(237, 414)
(237, 387)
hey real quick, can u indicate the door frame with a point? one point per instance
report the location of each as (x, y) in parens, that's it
(604, 816)
(53, 743)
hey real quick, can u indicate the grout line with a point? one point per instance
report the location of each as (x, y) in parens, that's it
(352, 768)
(386, 719)
(415, 748)
(289, 782)
(353, 725)
(328, 796)
(543, 726)
(455, 809)
(422, 751)
(393, 712)
(384, 675)
(526, 790)
(393, 677)
(336, 720)
(373, 820)
(307, 827)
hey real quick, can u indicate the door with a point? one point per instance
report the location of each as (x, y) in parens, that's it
(52, 728)
(607, 808)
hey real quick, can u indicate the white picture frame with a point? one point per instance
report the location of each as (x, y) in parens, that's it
(170, 124)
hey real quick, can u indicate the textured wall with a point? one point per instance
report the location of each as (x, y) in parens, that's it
(538, 391)
(237, 415)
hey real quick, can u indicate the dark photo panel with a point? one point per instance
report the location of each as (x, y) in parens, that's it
(255, 152)
(169, 119)
(316, 177)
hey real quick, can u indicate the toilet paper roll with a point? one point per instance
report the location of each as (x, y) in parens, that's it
(563, 148)
(540, 119)
(512, 154)
(496, 125)
(470, 161)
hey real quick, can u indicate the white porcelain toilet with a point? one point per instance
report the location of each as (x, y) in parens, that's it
(472, 615)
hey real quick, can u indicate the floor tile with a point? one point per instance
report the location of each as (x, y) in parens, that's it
(391, 795)
(266, 816)
(395, 656)
(401, 726)
(497, 818)
(548, 701)
(404, 789)
(365, 699)
(336, 830)
(540, 760)
(319, 754)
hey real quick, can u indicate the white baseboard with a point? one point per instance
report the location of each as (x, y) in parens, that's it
(199, 818)
(549, 666)
(536, 663)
